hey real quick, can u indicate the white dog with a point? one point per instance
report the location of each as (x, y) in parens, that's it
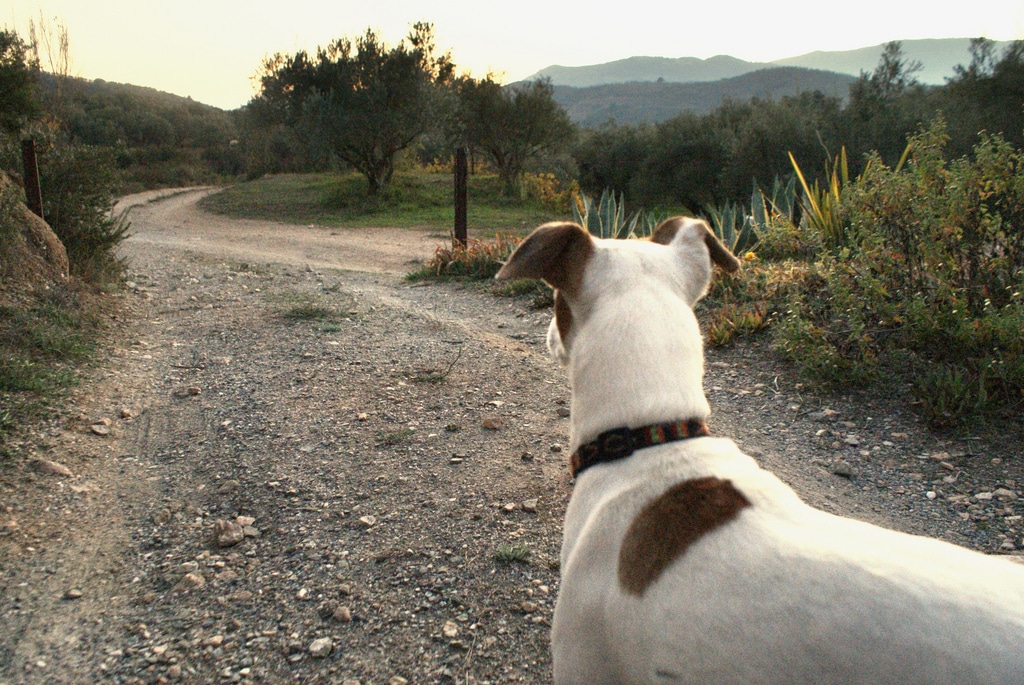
(682, 560)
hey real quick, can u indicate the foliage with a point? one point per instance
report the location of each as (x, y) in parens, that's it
(822, 207)
(476, 261)
(366, 102)
(512, 553)
(607, 218)
(415, 199)
(986, 95)
(511, 125)
(17, 85)
(928, 285)
(40, 344)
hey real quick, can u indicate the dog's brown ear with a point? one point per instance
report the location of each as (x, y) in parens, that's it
(666, 232)
(557, 252)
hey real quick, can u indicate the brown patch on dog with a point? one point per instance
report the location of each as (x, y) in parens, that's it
(666, 232)
(666, 527)
(563, 316)
(556, 252)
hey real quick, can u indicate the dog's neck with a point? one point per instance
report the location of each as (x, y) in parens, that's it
(633, 366)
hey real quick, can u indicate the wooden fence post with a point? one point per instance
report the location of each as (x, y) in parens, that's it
(461, 197)
(33, 195)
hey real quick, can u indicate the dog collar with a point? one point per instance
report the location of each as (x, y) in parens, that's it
(619, 443)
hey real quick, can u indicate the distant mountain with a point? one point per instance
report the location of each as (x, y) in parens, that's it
(938, 56)
(671, 69)
(636, 102)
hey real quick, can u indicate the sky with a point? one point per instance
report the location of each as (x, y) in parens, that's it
(210, 50)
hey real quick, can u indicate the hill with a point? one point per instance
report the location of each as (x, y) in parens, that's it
(938, 56)
(633, 103)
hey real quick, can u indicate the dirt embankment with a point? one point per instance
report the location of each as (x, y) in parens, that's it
(295, 466)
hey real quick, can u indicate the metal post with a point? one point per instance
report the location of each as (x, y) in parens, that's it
(33, 196)
(461, 200)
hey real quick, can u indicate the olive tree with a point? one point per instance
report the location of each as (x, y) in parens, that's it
(512, 125)
(365, 101)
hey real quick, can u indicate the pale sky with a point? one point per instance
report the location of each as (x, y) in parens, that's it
(211, 49)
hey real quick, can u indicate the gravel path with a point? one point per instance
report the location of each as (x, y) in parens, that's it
(295, 466)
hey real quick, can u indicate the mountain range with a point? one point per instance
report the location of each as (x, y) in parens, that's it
(652, 89)
(937, 56)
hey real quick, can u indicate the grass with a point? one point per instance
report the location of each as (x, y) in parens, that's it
(415, 199)
(508, 554)
(42, 346)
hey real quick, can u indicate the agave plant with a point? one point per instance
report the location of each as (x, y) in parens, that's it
(821, 206)
(782, 203)
(733, 226)
(606, 219)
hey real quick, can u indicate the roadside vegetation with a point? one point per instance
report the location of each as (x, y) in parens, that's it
(881, 232)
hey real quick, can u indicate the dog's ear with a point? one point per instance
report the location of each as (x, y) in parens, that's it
(669, 229)
(557, 252)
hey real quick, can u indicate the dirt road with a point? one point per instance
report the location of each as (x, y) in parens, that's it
(294, 466)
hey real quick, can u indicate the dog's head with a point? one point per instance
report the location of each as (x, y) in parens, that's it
(630, 275)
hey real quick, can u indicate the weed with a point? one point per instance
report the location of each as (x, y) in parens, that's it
(479, 260)
(392, 438)
(435, 375)
(512, 553)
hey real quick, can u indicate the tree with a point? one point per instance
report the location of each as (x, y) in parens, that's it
(512, 125)
(987, 95)
(885, 106)
(366, 102)
(17, 83)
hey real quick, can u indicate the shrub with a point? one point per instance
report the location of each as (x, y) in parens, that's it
(928, 285)
(477, 260)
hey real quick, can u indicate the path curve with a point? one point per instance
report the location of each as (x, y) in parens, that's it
(172, 218)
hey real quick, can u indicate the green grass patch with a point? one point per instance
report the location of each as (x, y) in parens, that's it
(42, 346)
(415, 199)
(508, 553)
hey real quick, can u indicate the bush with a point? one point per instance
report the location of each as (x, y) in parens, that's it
(477, 261)
(79, 186)
(929, 288)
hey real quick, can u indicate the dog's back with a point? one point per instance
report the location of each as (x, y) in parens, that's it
(781, 594)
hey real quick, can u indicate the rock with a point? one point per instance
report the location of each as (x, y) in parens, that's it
(563, 412)
(190, 581)
(345, 589)
(368, 521)
(51, 467)
(100, 429)
(342, 614)
(174, 671)
(450, 630)
(73, 593)
(824, 416)
(530, 506)
(528, 607)
(556, 448)
(852, 440)
(983, 496)
(321, 647)
(843, 468)
(397, 680)
(229, 487)
(227, 533)
(245, 520)
(1004, 494)
(492, 423)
